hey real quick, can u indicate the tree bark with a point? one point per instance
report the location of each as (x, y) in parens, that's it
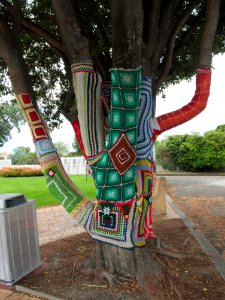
(127, 27)
(75, 43)
(208, 34)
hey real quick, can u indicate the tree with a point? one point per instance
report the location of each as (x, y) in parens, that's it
(23, 156)
(62, 148)
(76, 147)
(193, 152)
(10, 117)
(161, 36)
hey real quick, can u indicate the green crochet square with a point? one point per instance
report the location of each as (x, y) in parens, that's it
(129, 175)
(98, 192)
(116, 119)
(103, 162)
(113, 178)
(130, 118)
(116, 98)
(126, 78)
(131, 136)
(128, 191)
(112, 193)
(130, 99)
(100, 176)
(114, 136)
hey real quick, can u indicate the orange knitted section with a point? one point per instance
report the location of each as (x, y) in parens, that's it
(193, 108)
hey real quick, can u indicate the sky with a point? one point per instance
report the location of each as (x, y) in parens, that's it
(176, 97)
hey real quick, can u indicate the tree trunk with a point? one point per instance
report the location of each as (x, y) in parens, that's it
(115, 262)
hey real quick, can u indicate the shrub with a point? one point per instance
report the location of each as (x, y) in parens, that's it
(20, 172)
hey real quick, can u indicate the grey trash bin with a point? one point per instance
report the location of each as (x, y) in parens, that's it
(19, 246)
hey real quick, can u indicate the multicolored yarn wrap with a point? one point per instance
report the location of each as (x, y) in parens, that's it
(121, 157)
(87, 88)
(114, 172)
(58, 182)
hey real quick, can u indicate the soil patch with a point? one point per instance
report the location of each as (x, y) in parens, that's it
(190, 275)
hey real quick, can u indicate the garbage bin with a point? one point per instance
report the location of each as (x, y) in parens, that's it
(19, 246)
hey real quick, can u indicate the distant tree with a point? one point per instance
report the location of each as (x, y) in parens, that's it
(23, 156)
(193, 152)
(10, 117)
(168, 151)
(62, 148)
(76, 147)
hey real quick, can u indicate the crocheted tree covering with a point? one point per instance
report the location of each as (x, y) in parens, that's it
(113, 170)
(189, 111)
(145, 165)
(76, 127)
(87, 88)
(114, 173)
(59, 184)
(122, 164)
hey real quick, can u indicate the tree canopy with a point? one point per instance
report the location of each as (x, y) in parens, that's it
(170, 32)
(10, 118)
(193, 152)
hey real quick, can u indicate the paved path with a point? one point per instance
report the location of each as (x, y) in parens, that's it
(54, 223)
(202, 198)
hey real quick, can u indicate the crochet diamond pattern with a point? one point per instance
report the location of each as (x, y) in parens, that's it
(122, 155)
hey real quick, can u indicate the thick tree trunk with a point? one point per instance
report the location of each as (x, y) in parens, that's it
(115, 262)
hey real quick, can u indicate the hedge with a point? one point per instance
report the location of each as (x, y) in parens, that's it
(20, 172)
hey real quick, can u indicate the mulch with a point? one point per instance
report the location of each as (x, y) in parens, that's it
(188, 272)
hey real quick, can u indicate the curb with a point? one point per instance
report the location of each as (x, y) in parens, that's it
(190, 174)
(34, 293)
(204, 243)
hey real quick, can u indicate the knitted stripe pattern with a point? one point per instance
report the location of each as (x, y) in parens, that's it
(87, 88)
(145, 130)
(59, 184)
(114, 173)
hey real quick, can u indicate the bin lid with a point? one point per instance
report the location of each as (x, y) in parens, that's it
(11, 200)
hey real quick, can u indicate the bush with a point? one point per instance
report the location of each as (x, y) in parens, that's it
(20, 172)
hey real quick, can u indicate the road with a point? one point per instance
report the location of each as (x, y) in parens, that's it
(202, 198)
(209, 186)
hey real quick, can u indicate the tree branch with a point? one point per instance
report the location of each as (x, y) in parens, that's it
(151, 11)
(12, 55)
(167, 62)
(208, 34)
(43, 33)
(75, 43)
(165, 29)
(34, 28)
(186, 36)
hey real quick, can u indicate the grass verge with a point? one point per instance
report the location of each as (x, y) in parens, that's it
(36, 188)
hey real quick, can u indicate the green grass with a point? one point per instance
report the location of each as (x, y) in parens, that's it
(36, 188)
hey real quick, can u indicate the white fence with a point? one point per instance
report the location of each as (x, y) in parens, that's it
(5, 163)
(72, 165)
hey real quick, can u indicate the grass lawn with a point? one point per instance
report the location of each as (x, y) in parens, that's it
(36, 188)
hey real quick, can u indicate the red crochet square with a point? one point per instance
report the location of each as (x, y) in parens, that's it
(122, 154)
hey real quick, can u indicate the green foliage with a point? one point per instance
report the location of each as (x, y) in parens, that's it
(193, 152)
(76, 147)
(62, 148)
(20, 172)
(49, 67)
(10, 117)
(23, 156)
